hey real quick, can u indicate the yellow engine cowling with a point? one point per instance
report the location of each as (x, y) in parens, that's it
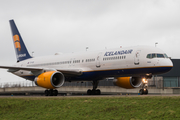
(50, 79)
(128, 82)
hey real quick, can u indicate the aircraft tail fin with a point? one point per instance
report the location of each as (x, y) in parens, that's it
(20, 48)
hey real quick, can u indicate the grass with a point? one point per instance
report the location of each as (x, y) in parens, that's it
(87, 108)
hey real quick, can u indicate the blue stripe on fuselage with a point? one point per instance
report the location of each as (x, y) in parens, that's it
(98, 75)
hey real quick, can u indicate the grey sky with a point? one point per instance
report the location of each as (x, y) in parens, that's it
(67, 26)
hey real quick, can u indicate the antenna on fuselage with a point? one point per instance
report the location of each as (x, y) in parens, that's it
(156, 44)
(32, 53)
(87, 48)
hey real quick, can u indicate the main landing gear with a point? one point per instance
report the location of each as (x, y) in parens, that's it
(94, 91)
(144, 89)
(51, 92)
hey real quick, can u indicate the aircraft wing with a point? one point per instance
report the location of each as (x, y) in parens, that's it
(67, 71)
(14, 68)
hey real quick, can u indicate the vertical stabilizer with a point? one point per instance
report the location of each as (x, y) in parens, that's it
(20, 48)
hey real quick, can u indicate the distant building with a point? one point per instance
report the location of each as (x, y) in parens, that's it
(172, 78)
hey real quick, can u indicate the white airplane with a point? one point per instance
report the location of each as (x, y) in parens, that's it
(130, 67)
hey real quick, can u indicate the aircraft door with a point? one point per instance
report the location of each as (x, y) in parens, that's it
(98, 60)
(137, 57)
(72, 63)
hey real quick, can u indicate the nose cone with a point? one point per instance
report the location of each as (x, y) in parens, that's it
(168, 65)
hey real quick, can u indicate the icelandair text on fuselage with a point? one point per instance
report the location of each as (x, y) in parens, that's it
(118, 52)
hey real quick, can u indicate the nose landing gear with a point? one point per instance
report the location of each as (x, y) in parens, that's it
(144, 89)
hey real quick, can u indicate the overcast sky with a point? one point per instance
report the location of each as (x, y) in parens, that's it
(50, 26)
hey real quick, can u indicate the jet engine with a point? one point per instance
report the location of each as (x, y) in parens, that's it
(50, 79)
(128, 82)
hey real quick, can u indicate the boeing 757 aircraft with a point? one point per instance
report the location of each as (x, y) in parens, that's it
(131, 67)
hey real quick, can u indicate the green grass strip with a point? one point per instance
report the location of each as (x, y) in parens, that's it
(90, 108)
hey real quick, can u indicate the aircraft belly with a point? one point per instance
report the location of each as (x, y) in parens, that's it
(101, 74)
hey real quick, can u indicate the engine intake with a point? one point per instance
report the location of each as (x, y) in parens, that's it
(128, 82)
(50, 79)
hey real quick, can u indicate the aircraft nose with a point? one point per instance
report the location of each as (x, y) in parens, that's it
(169, 65)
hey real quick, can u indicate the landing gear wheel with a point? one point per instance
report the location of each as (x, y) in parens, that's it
(89, 92)
(55, 93)
(141, 91)
(93, 92)
(98, 92)
(145, 91)
(51, 92)
(46, 92)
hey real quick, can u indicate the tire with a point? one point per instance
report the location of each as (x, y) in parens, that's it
(55, 92)
(141, 91)
(93, 92)
(89, 92)
(146, 92)
(98, 92)
(46, 92)
(51, 92)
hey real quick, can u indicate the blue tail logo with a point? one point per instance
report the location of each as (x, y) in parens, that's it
(20, 48)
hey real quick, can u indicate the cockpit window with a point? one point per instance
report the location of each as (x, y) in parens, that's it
(153, 55)
(165, 55)
(149, 56)
(160, 56)
(156, 55)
